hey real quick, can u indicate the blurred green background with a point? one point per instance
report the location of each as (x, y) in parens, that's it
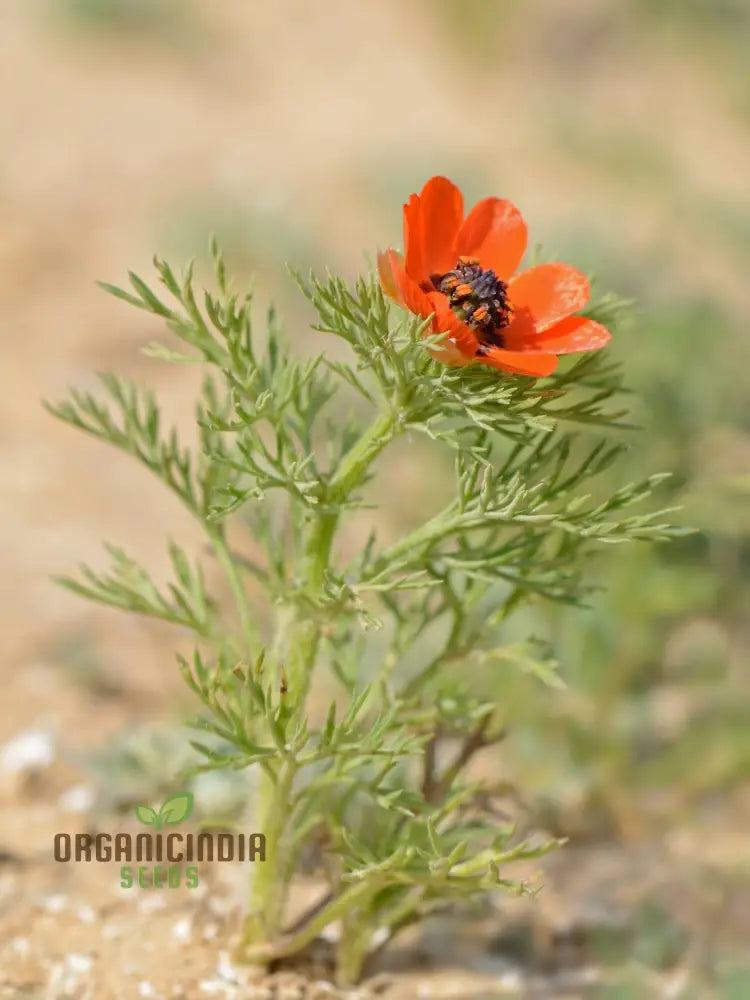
(294, 132)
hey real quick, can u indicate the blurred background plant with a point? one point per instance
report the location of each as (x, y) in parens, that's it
(621, 131)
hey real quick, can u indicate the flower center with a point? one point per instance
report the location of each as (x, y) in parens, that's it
(478, 297)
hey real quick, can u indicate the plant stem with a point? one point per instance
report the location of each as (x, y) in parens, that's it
(352, 896)
(299, 632)
(268, 888)
(249, 632)
(352, 952)
(359, 458)
(305, 636)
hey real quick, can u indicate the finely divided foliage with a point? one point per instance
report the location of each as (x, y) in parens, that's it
(380, 786)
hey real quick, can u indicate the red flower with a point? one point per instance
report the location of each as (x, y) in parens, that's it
(460, 271)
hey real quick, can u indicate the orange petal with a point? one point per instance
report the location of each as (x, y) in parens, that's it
(448, 353)
(413, 242)
(519, 362)
(459, 347)
(441, 208)
(386, 262)
(543, 295)
(571, 335)
(410, 295)
(494, 231)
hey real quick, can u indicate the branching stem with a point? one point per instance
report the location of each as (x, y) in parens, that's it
(269, 887)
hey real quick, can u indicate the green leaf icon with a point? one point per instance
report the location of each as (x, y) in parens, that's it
(175, 809)
(146, 815)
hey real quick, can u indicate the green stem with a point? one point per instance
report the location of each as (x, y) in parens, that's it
(359, 458)
(352, 952)
(305, 637)
(250, 636)
(269, 885)
(353, 896)
(298, 632)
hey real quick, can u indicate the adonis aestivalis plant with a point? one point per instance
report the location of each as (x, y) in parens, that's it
(374, 792)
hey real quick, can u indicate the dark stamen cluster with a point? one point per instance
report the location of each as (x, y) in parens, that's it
(478, 297)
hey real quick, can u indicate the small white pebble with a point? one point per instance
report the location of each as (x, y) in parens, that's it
(590, 975)
(21, 946)
(226, 969)
(55, 977)
(55, 903)
(30, 751)
(331, 933)
(150, 904)
(212, 986)
(675, 985)
(511, 980)
(77, 799)
(86, 914)
(219, 907)
(210, 931)
(182, 930)
(380, 935)
(79, 963)
(145, 989)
